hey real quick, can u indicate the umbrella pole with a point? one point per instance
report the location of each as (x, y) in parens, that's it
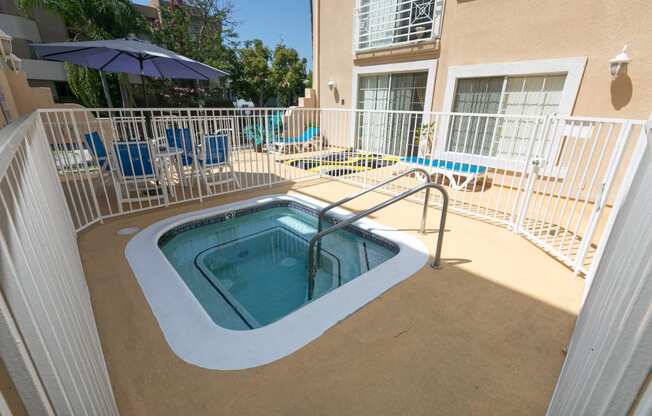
(105, 87)
(142, 80)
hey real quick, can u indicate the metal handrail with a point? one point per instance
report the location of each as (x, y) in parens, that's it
(322, 212)
(312, 260)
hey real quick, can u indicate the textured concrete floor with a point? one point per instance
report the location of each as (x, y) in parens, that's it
(483, 335)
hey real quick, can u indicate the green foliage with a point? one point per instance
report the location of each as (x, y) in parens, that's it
(261, 74)
(288, 74)
(309, 79)
(251, 74)
(86, 85)
(201, 30)
(93, 20)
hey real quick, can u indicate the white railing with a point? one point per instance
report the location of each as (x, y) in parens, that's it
(551, 179)
(50, 344)
(387, 23)
(120, 161)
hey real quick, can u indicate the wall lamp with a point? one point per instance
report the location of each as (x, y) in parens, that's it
(618, 65)
(332, 85)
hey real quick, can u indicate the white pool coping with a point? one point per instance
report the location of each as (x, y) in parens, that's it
(198, 340)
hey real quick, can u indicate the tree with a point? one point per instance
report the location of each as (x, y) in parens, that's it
(251, 77)
(202, 30)
(261, 74)
(288, 74)
(92, 20)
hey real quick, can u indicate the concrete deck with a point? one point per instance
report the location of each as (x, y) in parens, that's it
(482, 335)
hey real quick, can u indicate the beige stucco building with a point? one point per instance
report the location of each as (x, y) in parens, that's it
(549, 56)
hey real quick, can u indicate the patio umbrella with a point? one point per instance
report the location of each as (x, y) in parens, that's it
(131, 56)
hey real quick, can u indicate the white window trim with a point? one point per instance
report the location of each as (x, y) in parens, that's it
(429, 65)
(572, 67)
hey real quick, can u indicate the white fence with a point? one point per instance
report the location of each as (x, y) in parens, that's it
(50, 343)
(550, 178)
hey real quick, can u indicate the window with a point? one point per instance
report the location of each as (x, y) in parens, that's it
(381, 132)
(512, 95)
(386, 22)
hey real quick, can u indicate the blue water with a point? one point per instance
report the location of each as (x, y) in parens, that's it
(251, 270)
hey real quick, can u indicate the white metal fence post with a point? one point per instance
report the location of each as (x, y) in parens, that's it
(601, 198)
(534, 167)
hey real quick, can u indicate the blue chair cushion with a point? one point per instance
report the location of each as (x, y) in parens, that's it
(96, 146)
(134, 158)
(217, 149)
(181, 139)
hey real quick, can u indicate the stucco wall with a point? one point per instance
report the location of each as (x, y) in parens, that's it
(484, 31)
(333, 56)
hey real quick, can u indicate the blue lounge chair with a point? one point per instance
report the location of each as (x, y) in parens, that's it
(303, 142)
(136, 176)
(216, 153)
(459, 174)
(257, 132)
(96, 146)
(181, 139)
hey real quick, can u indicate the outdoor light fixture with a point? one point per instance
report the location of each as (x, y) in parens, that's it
(619, 63)
(332, 84)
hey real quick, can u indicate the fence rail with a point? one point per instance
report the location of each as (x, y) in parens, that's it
(44, 296)
(549, 178)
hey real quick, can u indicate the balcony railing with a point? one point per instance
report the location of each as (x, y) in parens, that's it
(381, 24)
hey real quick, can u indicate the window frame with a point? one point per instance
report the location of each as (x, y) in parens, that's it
(428, 65)
(573, 68)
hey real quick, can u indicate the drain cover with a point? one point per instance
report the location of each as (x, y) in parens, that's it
(128, 231)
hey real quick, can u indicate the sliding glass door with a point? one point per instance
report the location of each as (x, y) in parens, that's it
(379, 130)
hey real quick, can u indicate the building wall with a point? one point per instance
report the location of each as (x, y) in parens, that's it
(333, 51)
(483, 31)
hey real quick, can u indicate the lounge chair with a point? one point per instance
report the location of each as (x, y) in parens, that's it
(216, 153)
(98, 149)
(256, 133)
(137, 178)
(303, 143)
(460, 175)
(180, 138)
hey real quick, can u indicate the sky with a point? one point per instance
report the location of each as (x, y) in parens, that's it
(274, 21)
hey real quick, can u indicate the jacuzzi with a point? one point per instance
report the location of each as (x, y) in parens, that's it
(228, 285)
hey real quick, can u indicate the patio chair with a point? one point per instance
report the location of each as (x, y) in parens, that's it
(216, 153)
(137, 178)
(256, 133)
(98, 150)
(180, 138)
(304, 142)
(460, 175)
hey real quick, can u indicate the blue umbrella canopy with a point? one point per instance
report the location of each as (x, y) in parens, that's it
(131, 56)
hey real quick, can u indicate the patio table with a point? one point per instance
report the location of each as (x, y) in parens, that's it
(168, 159)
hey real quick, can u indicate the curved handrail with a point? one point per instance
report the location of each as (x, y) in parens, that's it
(312, 260)
(322, 212)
